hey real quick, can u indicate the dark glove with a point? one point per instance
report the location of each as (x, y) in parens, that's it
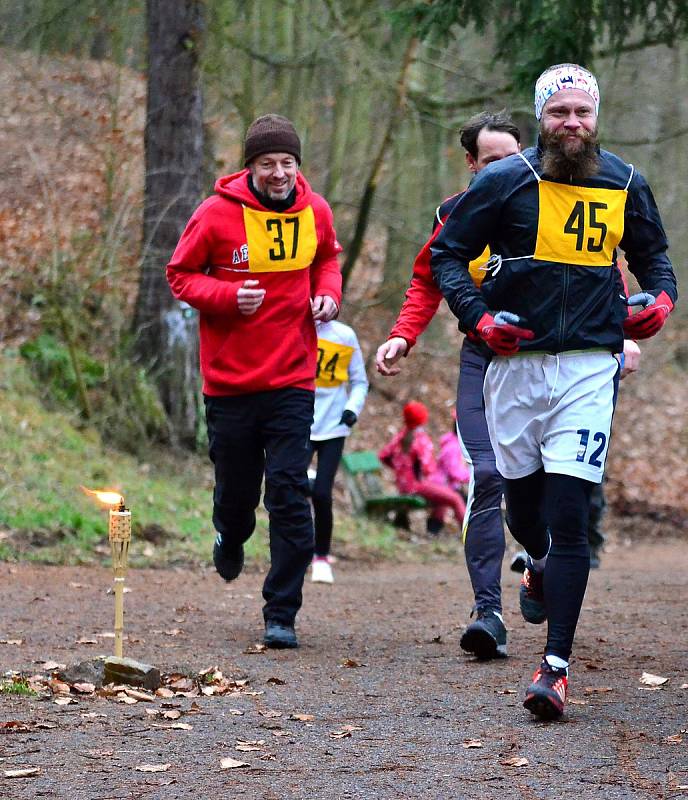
(649, 321)
(348, 418)
(501, 332)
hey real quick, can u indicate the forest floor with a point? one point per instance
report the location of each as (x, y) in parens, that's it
(378, 701)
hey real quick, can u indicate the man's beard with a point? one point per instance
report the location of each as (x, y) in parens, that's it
(564, 163)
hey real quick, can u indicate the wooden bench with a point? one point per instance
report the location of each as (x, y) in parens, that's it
(363, 475)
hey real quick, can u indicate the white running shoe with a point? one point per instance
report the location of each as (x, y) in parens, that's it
(321, 571)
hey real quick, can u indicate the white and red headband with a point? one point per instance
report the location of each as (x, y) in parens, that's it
(564, 76)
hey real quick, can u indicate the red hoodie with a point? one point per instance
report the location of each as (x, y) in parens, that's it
(231, 238)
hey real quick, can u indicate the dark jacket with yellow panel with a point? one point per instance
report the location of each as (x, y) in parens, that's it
(554, 250)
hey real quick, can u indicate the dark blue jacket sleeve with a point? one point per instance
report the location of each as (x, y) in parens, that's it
(644, 241)
(464, 236)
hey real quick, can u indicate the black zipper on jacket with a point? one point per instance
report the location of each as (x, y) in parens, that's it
(564, 298)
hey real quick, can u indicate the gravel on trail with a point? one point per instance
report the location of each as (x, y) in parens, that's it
(377, 702)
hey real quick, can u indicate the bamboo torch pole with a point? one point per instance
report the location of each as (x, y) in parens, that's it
(119, 533)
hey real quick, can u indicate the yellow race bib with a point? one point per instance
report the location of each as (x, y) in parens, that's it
(474, 270)
(280, 242)
(332, 368)
(579, 225)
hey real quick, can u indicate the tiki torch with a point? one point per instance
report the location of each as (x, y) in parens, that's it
(119, 534)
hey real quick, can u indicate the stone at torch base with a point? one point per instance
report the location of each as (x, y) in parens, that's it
(133, 673)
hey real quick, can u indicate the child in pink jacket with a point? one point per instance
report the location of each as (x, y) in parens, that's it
(410, 454)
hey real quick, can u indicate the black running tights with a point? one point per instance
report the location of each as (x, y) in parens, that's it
(560, 504)
(329, 455)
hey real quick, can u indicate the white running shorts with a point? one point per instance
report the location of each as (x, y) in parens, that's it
(551, 411)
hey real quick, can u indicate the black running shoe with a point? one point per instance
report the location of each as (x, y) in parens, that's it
(531, 595)
(546, 695)
(228, 561)
(486, 637)
(279, 636)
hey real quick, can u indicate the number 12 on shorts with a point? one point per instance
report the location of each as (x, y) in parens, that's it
(599, 438)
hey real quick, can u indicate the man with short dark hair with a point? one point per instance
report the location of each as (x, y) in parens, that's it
(479, 145)
(554, 311)
(486, 137)
(258, 259)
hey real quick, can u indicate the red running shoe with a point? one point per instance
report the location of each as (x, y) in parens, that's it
(546, 695)
(531, 595)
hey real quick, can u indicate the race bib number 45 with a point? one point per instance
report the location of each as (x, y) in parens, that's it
(579, 225)
(332, 368)
(280, 242)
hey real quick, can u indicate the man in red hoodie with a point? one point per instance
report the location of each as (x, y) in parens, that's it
(258, 260)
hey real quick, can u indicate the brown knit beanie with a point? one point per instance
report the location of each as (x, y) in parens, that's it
(271, 134)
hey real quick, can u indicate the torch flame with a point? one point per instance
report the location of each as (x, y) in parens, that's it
(107, 498)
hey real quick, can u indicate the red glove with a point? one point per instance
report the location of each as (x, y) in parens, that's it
(501, 334)
(649, 321)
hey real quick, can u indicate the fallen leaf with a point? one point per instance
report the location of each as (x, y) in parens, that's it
(598, 689)
(514, 761)
(506, 691)
(684, 686)
(254, 649)
(29, 772)
(139, 695)
(85, 640)
(270, 714)
(123, 697)
(14, 726)
(276, 681)
(11, 641)
(173, 632)
(182, 685)
(173, 713)
(247, 748)
(471, 743)
(84, 688)
(232, 763)
(301, 717)
(344, 732)
(280, 733)
(63, 700)
(153, 767)
(163, 691)
(49, 666)
(75, 585)
(575, 702)
(235, 712)
(59, 687)
(675, 739)
(174, 726)
(648, 679)
(351, 663)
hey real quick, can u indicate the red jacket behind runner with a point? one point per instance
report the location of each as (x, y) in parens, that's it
(231, 238)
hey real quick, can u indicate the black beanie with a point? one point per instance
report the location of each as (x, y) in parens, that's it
(271, 134)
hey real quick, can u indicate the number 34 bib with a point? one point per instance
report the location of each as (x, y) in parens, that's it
(579, 225)
(280, 242)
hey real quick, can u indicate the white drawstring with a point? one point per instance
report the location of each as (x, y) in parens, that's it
(554, 385)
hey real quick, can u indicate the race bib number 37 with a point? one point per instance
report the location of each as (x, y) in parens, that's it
(280, 242)
(579, 225)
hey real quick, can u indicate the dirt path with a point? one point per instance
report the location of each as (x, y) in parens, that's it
(413, 702)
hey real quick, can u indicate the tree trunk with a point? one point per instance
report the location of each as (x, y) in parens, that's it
(165, 332)
(354, 248)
